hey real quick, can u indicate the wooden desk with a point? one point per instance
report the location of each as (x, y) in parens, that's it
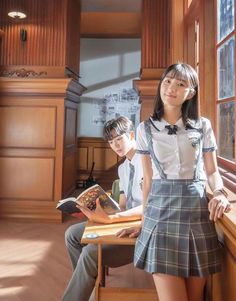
(106, 235)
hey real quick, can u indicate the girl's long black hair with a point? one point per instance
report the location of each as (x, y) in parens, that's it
(189, 108)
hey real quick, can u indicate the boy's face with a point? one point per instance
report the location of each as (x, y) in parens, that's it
(121, 144)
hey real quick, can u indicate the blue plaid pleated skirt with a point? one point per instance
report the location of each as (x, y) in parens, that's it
(177, 237)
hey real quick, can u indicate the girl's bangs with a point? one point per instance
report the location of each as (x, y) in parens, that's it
(180, 73)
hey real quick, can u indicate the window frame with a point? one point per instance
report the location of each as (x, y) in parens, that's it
(228, 167)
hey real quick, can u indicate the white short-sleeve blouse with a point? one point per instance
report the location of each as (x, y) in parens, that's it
(178, 153)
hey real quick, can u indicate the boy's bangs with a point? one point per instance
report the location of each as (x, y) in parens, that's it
(111, 133)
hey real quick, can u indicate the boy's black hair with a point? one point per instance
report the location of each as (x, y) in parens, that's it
(189, 108)
(121, 125)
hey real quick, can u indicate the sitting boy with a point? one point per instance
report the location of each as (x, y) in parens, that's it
(120, 135)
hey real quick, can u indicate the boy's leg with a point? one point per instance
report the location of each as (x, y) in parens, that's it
(73, 236)
(84, 276)
(84, 262)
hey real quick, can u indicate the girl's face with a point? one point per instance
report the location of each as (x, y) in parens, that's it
(175, 91)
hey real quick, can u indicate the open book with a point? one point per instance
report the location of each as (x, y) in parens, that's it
(88, 198)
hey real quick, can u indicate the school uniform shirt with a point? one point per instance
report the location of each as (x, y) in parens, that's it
(177, 153)
(124, 172)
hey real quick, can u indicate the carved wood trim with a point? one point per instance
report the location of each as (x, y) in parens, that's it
(22, 72)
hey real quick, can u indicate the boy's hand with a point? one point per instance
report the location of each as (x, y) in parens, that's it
(98, 215)
(131, 232)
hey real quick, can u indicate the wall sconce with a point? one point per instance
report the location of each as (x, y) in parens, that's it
(23, 35)
(17, 15)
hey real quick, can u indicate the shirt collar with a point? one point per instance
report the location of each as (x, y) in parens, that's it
(160, 124)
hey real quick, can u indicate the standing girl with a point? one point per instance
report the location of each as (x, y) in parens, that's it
(178, 242)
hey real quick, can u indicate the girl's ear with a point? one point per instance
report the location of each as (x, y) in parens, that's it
(191, 93)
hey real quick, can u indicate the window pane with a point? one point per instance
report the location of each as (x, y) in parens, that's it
(226, 72)
(226, 130)
(225, 18)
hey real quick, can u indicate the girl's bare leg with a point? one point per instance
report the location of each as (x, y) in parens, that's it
(195, 287)
(170, 288)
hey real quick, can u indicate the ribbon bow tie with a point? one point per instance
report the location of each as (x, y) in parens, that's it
(172, 129)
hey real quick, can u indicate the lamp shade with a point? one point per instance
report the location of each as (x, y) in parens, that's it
(17, 15)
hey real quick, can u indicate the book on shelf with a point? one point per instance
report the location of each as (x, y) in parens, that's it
(88, 199)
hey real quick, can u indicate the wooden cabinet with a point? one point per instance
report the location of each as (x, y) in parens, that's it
(38, 151)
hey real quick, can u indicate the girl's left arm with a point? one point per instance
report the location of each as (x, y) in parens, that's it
(219, 203)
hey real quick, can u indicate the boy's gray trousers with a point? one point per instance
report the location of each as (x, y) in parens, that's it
(85, 263)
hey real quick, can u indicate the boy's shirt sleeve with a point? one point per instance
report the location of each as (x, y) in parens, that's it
(209, 141)
(141, 139)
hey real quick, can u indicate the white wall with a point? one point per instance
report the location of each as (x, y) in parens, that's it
(106, 66)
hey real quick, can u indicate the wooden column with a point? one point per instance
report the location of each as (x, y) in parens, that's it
(155, 51)
(177, 31)
(155, 34)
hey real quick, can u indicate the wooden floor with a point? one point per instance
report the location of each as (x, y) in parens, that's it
(34, 265)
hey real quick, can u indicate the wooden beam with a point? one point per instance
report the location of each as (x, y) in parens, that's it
(109, 25)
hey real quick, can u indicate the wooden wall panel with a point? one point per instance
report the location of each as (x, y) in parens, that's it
(26, 178)
(46, 34)
(82, 155)
(70, 127)
(69, 173)
(105, 158)
(28, 127)
(106, 161)
(53, 37)
(37, 117)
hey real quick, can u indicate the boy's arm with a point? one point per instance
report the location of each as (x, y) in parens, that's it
(99, 215)
(122, 201)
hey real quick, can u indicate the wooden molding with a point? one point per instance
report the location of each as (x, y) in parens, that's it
(146, 87)
(35, 71)
(151, 73)
(39, 87)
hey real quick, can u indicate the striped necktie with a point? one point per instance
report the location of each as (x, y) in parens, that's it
(130, 185)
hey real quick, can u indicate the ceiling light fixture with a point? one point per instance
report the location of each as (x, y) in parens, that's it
(17, 15)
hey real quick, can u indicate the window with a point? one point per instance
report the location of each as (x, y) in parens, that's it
(225, 102)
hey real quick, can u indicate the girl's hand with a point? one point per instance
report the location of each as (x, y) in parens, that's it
(131, 232)
(217, 206)
(98, 215)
